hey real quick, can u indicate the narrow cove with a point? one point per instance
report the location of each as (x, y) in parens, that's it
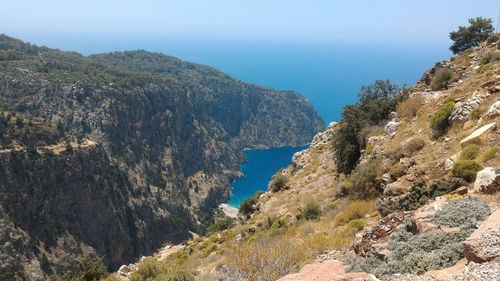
(258, 170)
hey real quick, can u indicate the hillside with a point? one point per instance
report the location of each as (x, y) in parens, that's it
(115, 154)
(422, 202)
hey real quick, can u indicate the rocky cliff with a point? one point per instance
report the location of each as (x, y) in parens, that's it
(422, 202)
(115, 154)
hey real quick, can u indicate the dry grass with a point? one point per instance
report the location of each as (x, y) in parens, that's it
(409, 108)
(355, 210)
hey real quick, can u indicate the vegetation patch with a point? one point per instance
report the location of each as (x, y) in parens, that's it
(466, 169)
(466, 213)
(353, 211)
(441, 79)
(489, 154)
(312, 211)
(365, 182)
(408, 109)
(247, 206)
(278, 182)
(439, 121)
(470, 152)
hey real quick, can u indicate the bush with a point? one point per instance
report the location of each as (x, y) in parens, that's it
(375, 103)
(91, 268)
(246, 207)
(490, 57)
(489, 154)
(479, 30)
(312, 211)
(493, 38)
(476, 113)
(420, 194)
(439, 121)
(413, 145)
(354, 210)
(409, 108)
(357, 224)
(466, 213)
(278, 182)
(441, 78)
(397, 170)
(470, 152)
(365, 182)
(466, 169)
(152, 270)
(417, 254)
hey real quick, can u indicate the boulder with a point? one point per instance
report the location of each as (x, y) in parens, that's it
(484, 243)
(487, 180)
(395, 189)
(494, 109)
(391, 127)
(329, 270)
(476, 135)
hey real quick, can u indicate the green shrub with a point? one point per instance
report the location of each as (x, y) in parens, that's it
(476, 113)
(152, 270)
(489, 154)
(312, 211)
(490, 57)
(357, 224)
(246, 207)
(278, 182)
(470, 152)
(369, 149)
(91, 268)
(493, 38)
(375, 103)
(466, 213)
(466, 169)
(420, 194)
(365, 182)
(441, 78)
(439, 121)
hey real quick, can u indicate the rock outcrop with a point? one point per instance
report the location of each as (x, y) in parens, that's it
(330, 270)
(484, 243)
(488, 180)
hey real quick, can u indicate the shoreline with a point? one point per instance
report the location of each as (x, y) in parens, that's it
(229, 211)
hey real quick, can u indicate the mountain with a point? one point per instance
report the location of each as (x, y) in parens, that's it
(115, 154)
(422, 201)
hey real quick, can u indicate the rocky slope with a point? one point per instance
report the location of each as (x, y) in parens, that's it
(434, 215)
(115, 154)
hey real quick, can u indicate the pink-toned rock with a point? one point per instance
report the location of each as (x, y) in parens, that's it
(484, 243)
(330, 270)
(448, 273)
(422, 217)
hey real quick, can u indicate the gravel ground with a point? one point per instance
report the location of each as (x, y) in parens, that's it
(488, 271)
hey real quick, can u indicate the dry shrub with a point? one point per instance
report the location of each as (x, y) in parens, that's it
(489, 154)
(266, 258)
(413, 145)
(470, 152)
(409, 108)
(354, 210)
(397, 170)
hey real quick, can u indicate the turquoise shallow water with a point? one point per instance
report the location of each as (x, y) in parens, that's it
(258, 170)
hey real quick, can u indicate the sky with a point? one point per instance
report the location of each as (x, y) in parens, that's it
(260, 20)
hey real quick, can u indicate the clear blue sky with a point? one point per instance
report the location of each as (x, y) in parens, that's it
(320, 20)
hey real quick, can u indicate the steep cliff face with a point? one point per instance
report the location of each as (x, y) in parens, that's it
(115, 154)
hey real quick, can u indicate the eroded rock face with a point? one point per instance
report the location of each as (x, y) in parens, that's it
(392, 126)
(488, 180)
(484, 243)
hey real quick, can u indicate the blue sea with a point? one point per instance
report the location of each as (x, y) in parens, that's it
(328, 74)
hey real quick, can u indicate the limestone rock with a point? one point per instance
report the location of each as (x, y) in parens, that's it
(462, 110)
(484, 243)
(494, 109)
(487, 180)
(476, 135)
